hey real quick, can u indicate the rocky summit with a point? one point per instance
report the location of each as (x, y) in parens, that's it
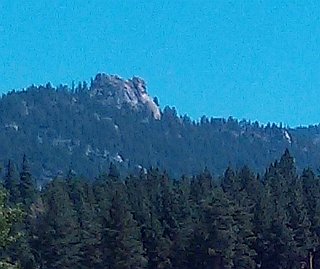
(114, 90)
(84, 128)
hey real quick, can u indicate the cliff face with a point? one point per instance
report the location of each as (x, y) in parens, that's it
(113, 90)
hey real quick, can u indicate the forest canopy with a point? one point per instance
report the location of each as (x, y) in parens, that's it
(152, 220)
(85, 127)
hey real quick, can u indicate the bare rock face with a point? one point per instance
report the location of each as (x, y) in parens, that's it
(113, 90)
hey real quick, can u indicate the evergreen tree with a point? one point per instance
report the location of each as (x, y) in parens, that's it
(231, 184)
(238, 187)
(58, 229)
(311, 196)
(8, 217)
(158, 227)
(11, 183)
(27, 186)
(213, 239)
(184, 214)
(21, 248)
(122, 236)
(250, 184)
(113, 171)
(279, 232)
(82, 197)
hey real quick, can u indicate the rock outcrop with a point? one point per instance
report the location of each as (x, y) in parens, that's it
(113, 90)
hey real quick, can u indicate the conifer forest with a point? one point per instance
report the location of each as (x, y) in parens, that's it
(151, 220)
(100, 176)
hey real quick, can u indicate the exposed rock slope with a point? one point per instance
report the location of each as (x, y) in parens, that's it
(113, 90)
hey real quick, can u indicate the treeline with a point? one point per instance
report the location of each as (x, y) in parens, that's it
(149, 220)
(83, 129)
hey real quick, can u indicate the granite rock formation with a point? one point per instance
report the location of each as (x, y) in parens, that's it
(116, 91)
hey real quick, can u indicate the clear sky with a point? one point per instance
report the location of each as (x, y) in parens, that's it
(258, 60)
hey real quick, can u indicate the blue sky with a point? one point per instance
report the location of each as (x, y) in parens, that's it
(258, 60)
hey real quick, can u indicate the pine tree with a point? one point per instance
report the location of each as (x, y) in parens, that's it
(278, 233)
(21, 248)
(311, 196)
(158, 226)
(241, 188)
(232, 185)
(27, 186)
(251, 184)
(185, 219)
(82, 197)
(8, 217)
(213, 239)
(113, 171)
(58, 229)
(122, 236)
(11, 183)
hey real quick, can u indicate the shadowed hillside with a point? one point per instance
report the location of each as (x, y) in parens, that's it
(110, 119)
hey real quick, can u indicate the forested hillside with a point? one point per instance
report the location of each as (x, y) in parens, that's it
(99, 176)
(239, 220)
(86, 126)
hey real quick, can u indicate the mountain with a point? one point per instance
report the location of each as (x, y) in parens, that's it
(85, 127)
(114, 91)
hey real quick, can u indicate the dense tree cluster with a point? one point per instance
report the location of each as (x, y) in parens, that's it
(78, 129)
(150, 220)
(9, 216)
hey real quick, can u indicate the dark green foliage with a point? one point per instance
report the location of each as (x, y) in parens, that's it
(11, 183)
(57, 229)
(83, 129)
(122, 236)
(148, 220)
(9, 216)
(311, 196)
(242, 188)
(83, 200)
(27, 188)
(113, 171)
(22, 191)
(213, 240)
